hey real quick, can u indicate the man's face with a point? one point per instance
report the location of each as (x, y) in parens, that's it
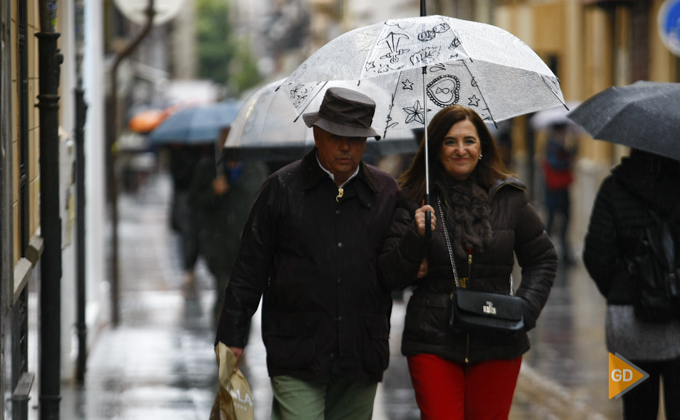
(338, 154)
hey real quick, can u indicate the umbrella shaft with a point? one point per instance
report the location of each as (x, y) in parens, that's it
(427, 148)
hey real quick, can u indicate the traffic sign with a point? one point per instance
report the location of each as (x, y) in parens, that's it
(669, 25)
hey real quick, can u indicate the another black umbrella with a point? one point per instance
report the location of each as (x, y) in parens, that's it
(644, 115)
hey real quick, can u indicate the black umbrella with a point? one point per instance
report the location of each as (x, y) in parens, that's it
(644, 115)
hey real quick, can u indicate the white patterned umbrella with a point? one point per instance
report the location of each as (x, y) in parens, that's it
(427, 63)
(468, 63)
(267, 128)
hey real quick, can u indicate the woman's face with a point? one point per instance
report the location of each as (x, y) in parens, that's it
(461, 150)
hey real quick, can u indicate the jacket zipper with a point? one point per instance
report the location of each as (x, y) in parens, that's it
(469, 264)
(467, 344)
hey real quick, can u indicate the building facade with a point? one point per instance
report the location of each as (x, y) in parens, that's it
(591, 46)
(28, 345)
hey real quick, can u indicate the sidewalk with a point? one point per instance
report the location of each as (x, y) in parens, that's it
(159, 363)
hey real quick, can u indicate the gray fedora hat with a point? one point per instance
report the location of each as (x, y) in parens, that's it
(344, 112)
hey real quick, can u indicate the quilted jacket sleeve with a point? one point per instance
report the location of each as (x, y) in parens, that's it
(602, 255)
(403, 251)
(538, 259)
(252, 268)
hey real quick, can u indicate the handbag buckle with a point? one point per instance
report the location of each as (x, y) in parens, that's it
(489, 308)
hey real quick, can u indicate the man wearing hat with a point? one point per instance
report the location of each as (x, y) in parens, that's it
(310, 249)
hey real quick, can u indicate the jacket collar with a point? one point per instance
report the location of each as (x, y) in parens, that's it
(500, 183)
(312, 173)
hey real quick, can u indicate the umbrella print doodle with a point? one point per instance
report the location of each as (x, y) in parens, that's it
(392, 41)
(454, 44)
(443, 90)
(425, 56)
(407, 85)
(415, 113)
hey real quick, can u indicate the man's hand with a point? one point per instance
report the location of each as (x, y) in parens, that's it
(420, 219)
(220, 185)
(238, 351)
(422, 270)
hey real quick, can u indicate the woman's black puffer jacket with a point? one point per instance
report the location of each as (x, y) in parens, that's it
(516, 228)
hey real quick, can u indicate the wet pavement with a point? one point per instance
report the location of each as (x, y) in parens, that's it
(159, 362)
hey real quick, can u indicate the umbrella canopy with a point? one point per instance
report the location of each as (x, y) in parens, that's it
(201, 124)
(146, 121)
(267, 128)
(553, 116)
(468, 63)
(644, 115)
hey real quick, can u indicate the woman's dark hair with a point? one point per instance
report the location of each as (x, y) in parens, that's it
(488, 169)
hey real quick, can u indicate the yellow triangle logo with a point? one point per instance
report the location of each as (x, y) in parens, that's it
(623, 375)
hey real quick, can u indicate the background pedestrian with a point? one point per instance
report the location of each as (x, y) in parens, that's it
(222, 195)
(557, 171)
(183, 161)
(620, 216)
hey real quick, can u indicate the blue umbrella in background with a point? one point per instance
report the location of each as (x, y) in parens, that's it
(196, 125)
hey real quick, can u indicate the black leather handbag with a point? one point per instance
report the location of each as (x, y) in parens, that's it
(481, 312)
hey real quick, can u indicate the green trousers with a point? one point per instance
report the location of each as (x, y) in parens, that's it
(334, 399)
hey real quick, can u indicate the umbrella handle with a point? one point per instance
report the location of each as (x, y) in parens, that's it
(428, 219)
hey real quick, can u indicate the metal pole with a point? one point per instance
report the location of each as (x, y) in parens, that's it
(81, 112)
(81, 324)
(6, 179)
(112, 152)
(50, 222)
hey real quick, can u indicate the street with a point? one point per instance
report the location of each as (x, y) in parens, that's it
(159, 362)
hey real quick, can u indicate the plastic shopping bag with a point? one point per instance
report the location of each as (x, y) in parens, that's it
(234, 401)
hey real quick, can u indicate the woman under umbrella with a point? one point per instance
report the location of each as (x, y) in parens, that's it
(464, 375)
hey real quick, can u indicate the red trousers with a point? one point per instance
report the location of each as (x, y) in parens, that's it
(453, 391)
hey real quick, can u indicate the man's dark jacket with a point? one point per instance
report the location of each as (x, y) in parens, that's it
(315, 258)
(516, 230)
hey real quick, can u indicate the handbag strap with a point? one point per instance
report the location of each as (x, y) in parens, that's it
(448, 243)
